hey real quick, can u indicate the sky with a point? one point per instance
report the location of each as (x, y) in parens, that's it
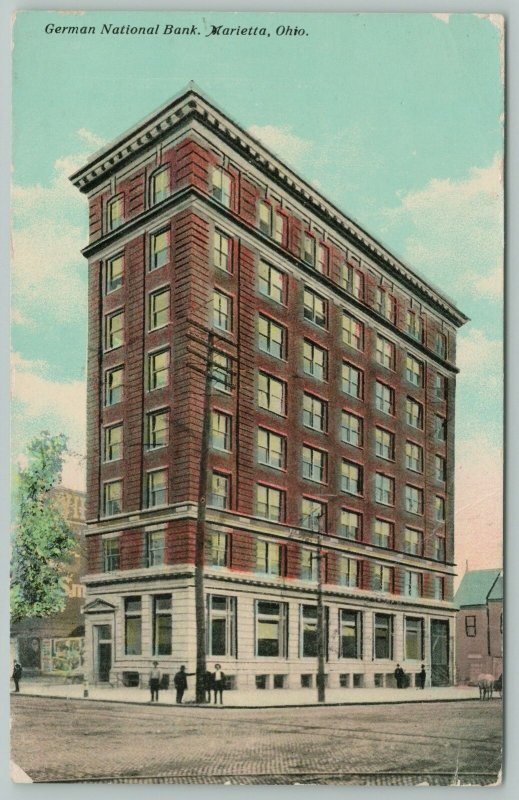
(396, 118)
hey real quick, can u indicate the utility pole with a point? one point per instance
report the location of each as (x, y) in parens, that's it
(321, 691)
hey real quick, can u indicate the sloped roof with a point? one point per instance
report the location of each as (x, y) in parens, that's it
(496, 593)
(475, 587)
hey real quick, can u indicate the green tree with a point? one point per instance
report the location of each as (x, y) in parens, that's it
(43, 543)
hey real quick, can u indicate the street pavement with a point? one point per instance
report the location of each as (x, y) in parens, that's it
(64, 740)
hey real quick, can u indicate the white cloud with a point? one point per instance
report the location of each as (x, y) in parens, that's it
(281, 141)
(443, 17)
(90, 138)
(476, 353)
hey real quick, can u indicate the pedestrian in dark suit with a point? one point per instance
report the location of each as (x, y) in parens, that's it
(399, 676)
(154, 682)
(208, 684)
(180, 681)
(17, 675)
(218, 682)
(421, 676)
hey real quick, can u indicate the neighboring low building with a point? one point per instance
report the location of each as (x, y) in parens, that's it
(479, 638)
(55, 644)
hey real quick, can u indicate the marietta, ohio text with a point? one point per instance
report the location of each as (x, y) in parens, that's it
(171, 30)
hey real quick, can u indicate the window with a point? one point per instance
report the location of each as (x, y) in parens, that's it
(314, 413)
(414, 325)
(308, 249)
(352, 280)
(413, 499)
(440, 345)
(413, 542)
(110, 554)
(221, 625)
(114, 213)
(314, 360)
(440, 386)
(440, 428)
(158, 309)
(221, 431)
(414, 457)
(384, 398)
(221, 187)
(114, 330)
(154, 548)
(157, 429)
(159, 188)
(323, 259)
(383, 638)
(351, 429)
(352, 380)
(350, 624)
(413, 370)
(314, 464)
(265, 218)
(271, 282)
(438, 588)
(114, 386)
(352, 332)
(385, 353)
(470, 625)
(384, 444)
(132, 626)
(382, 578)
(412, 584)
(414, 639)
(351, 477)
(221, 251)
(309, 565)
(385, 304)
(162, 625)
(159, 249)
(221, 372)
(271, 449)
(440, 468)
(218, 555)
(271, 628)
(414, 413)
(271, 394)
(384, 489)
(270, 502)
(112, 500)
(383, 533)
(157, 488)
(269, 556)
(279, 228)
(271, 337)
(439, 548)
(308, 628)
(219, 495)
(158, 369)
(350, 525)
(347, 571)
(313, 514)
(439, 509)
(113, 443)
(314, 308)
(222, 311)
(114, 273)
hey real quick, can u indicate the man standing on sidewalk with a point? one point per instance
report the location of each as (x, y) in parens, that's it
(180, 681)
(154, 682)
(17, 675)
(399, 677)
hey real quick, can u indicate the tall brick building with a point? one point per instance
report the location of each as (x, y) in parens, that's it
(332, 414)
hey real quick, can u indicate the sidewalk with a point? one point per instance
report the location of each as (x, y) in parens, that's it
(257, 698)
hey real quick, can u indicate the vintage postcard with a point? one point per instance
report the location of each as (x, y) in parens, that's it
(257, 398)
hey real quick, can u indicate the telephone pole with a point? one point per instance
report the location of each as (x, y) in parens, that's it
(321, 678)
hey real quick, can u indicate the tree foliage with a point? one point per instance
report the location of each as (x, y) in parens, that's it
(43, 543)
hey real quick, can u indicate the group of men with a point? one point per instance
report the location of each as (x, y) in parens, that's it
(213, 682)
(401, 678)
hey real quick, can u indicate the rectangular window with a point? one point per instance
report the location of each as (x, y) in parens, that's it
(383, 533)
(269, 558)
(114, 330)
(314, 308)
(314, 413)
(414, 325)
(271, 629)
(218, 555)
(270, 502)
(132, 626)
(159, 186)
(347, 571)
(309, 565)
(158, 309)
(414, 457)
(114, 386)
(221, 251)
(413, 542)
(352, 380)
(158, 369)
(271, 337)
(271, 394)
(313, 514)
(414, 413)
(271, 449)
(221, 187)
(351, 477)
(314, 464)
(413, 370)
(350, 623)
(114, 273)
(159, 249)
(414, 639)
(412, 584)
(440, 468)
(438, 588)
(413, 500)
(385, 444)
(385, 353)
(382, 578)
(157, 488)
(162, 625)
(265, 218)
(219, 495)
(352, 280)
(112, 499)
(309, 249)
(221, 625)
(314, 360)
(110, 554)
(440, 386)
(155, 543)
(385, 305)
(279, 228)
(308, 627)
(221, 431)
(440, 345)
(350, 525)
(383, 638)
(470, 625)
(271, 282)
(221, 372)
(113, 443)
(439, 548)
(115, 213)
(323, 259)
(439, 509)
(384, 398)
(157, 429)
(384, 489)
(440, 428)
(222, 311)
(352, 332)
(351, 429)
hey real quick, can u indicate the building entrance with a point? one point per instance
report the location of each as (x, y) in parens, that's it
(103, 645)
(439, 652)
